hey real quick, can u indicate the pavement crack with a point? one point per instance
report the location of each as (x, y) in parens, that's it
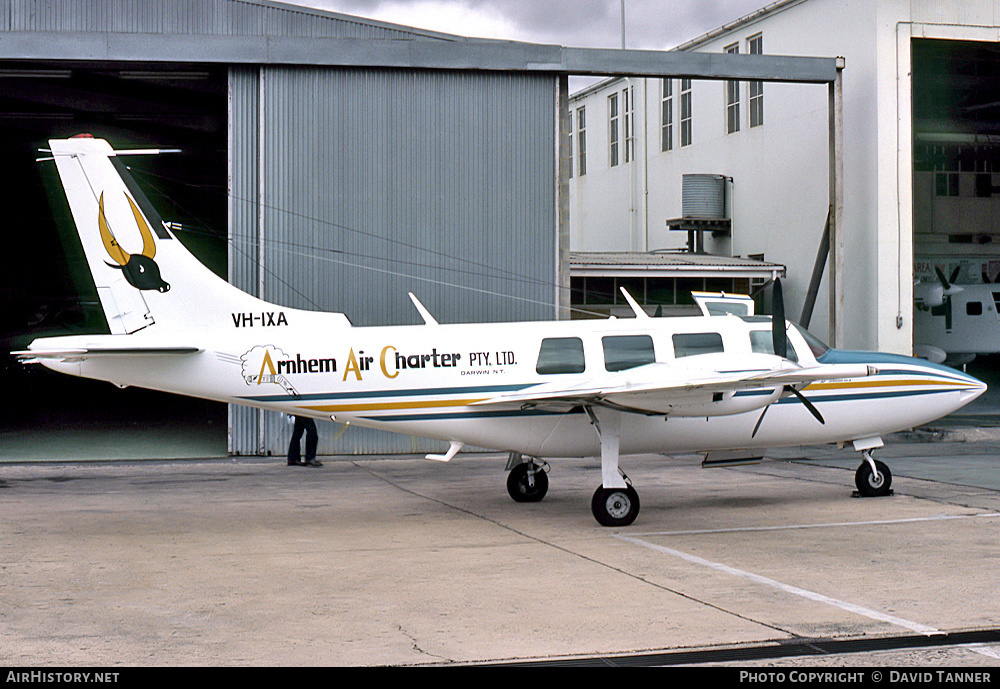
(415, 645)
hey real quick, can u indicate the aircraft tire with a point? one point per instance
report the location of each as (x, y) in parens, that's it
(871, 486)
(615, 506)
(520, 490)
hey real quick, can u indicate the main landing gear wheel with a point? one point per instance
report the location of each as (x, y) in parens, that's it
(615, 506)
(871, 484)
(527, 482)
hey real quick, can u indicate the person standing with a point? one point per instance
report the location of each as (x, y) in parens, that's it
(304, 424)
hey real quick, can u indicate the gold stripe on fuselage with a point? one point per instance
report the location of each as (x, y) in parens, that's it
(385, 406)
(854, 384)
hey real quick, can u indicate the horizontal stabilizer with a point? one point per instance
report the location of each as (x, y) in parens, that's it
(70, 354)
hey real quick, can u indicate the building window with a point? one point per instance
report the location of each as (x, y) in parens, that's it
(613, 127)
(667, 116)
(627, 121)
(733, 97)
(570, 170)
(946, 173)
(595, 295)
(581, 140)
(946, 183)
(755, 46)
(685, 112)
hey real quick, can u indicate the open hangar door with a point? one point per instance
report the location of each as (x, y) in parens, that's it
(956, 202)
(45, 287)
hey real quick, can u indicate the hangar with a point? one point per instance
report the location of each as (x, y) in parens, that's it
(920, 145)
(326, 162)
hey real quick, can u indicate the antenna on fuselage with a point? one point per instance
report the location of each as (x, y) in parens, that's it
(639, 313)
(424, 313)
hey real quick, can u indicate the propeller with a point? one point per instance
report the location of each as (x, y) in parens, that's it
(778, 335)
(802, 398)
(808, 405)
(780, 342)
(943, 307)
(945, 281)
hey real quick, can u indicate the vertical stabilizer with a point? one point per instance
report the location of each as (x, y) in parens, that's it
(146, 279)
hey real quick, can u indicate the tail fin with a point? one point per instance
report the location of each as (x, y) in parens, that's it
(145, 277)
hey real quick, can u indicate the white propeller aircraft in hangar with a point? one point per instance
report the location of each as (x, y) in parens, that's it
(730, 386)
(954, 323)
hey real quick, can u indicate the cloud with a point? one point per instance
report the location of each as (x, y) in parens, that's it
(649, 24)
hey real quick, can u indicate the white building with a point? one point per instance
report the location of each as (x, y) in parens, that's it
(921, 113)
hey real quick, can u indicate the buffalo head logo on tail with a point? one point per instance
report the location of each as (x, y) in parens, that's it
(140, 270)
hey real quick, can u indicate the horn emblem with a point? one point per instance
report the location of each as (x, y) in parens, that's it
(140, 270)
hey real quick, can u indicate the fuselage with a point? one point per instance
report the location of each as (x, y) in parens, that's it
(964, 322)
(431, 380)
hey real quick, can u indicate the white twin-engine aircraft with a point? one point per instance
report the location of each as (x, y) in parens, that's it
(729, 386)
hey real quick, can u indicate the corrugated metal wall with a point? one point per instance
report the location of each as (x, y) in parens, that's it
(366, 184)
(211, 17)
(245, 424)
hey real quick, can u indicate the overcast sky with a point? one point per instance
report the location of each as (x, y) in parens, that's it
(649, 24)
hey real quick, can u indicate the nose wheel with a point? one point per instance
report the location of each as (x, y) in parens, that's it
(528, 482)
(873, 478)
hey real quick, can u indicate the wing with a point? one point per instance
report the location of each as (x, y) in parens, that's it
(663, 388)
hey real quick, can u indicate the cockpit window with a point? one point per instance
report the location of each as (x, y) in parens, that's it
(762, 342)
(560, 355)
(627, 351)
(719, 308)
(692, 344)
(817, 346)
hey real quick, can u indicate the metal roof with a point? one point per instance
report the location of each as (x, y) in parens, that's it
(669, 264)
(265, 32)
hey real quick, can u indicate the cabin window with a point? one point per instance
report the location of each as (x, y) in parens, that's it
(627, 351)
(762, 342)
(692, 344)
(973, 308)
(560, 355)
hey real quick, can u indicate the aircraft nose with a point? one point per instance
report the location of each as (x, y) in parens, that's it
(975, 389)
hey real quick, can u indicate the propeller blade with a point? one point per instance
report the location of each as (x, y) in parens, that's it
(941, 278)
(802, 398)
(809, 405)
(954, 274)
(778, 335)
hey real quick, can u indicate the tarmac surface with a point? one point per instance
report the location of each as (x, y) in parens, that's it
(399, 561)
